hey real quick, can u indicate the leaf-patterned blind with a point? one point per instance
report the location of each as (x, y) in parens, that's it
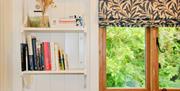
(139, 13)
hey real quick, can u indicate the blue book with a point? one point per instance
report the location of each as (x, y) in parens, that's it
(42, 57)
(23, 56)
(34, 53)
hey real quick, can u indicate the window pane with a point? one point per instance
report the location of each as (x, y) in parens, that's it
(125, 57)
(169, 57)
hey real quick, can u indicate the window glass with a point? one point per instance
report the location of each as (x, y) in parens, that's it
(125, 57)
(169, 57)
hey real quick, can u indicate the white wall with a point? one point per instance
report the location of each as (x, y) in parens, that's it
(17, 13)
(94, 46)
(5, 45)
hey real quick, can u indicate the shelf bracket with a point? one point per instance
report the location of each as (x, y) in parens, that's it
(85, 81)
(27, 80)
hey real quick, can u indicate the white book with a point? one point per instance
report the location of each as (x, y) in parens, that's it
(56, 57)
(53, 63)
(66, 61)
(29, 42)
(30, 51)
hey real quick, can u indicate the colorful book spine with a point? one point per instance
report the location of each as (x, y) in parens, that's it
(34, 53)
(42, 57)
(53, 63)
(47, 59)
(66, 61)
(23, 56)
(49, 56)
(30, 53)
(38, 52)
(62, 60)
(56, 57)
(59, 56)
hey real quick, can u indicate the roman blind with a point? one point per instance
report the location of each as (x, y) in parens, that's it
(139, 13)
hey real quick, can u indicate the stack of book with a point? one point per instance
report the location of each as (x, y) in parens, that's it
(72, 21)
(36, 56)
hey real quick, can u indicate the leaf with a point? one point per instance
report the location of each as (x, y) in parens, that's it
(137, 4)
(136, 16)
(123, 6)
(132, 14)
(168, 13)
(122, 13)
(134, 9)
(169, 4)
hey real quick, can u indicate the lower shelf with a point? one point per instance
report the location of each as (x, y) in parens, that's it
(76, 72)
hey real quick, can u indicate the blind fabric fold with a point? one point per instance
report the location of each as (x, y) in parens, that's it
(139, 13)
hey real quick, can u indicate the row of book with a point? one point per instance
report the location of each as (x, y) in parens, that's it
(36, 55)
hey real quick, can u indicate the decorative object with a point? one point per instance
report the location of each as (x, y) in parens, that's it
(38, 21)
(71, 21)
(44, 4)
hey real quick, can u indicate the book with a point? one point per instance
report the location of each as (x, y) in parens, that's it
(23, 56)
(30, 53)
(42, 57)
(66, 61)
(63, 22)
(38, 52)
(47, 58)
(59, 58)
(34, 53)
(62, 60)
(53, 63)
(56, 57)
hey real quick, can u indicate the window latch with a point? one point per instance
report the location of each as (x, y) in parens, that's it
(158, 45)
(164, 89)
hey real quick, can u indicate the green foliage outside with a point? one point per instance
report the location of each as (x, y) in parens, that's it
(125, 57)
(169, 57)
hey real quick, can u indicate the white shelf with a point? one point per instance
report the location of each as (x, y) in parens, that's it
(63, 30)
(76, 72)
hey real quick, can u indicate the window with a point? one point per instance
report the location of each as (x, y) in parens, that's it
(125, 57)
(169, 58)
(130, 61)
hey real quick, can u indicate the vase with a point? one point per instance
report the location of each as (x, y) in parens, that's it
(44, 21)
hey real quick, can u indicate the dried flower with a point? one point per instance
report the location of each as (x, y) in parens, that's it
(45, 4)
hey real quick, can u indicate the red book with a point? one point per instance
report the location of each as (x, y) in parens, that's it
(47, 56)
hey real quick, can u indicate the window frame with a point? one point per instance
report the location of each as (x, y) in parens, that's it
(151, 61)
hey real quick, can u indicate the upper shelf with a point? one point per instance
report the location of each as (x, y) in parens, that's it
(63, 30)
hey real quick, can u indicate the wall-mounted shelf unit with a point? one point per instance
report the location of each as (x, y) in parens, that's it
(71, 39)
